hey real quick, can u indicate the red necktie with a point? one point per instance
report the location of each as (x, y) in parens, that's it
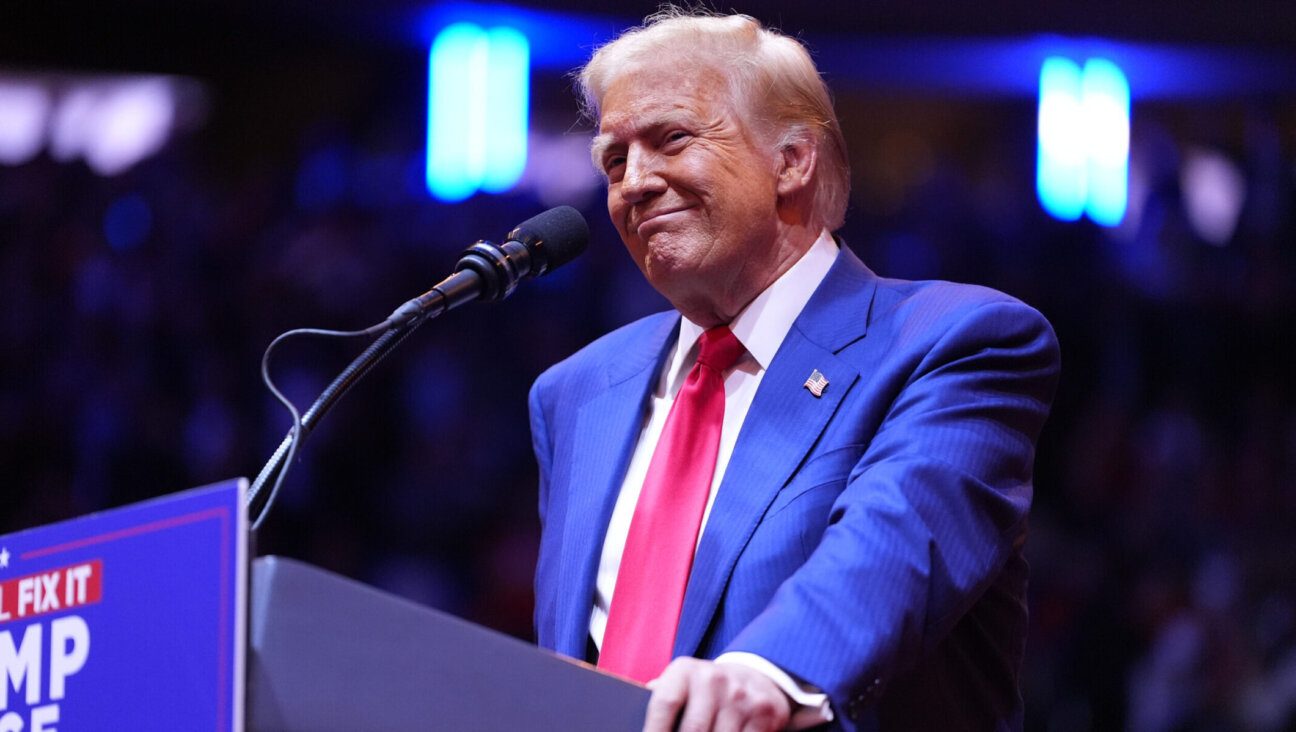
(663, 534)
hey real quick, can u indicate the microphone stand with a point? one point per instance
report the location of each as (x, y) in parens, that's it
(485, 271)
(465, 285)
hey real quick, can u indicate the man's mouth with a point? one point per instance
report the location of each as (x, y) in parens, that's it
(657, 215)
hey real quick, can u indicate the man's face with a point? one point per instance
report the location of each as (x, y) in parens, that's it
(691, 186)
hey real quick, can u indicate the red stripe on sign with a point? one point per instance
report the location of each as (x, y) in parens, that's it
(51, 591)
(8, 600)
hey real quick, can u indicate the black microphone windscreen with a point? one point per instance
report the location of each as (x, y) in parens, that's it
(554, 237)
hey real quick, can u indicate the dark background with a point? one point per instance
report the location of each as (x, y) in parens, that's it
(1163, 589)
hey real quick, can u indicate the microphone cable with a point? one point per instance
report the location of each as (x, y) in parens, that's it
(298, 429)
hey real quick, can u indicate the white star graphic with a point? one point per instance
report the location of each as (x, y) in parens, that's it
(4, 557)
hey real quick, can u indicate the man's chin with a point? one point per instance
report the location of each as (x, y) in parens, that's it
(679, 284)
(666, 273)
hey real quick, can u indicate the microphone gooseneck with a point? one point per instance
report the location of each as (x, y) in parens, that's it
(485, 271)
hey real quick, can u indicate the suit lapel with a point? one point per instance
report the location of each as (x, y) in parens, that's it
(782, 426)
(607, 429)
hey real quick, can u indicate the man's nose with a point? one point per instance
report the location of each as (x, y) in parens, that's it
(643, 178)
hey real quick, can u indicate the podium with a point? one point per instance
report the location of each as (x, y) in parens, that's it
(145, 618)
(328, 653)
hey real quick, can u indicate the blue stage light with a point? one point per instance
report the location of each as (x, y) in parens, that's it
(478, 97)
(1082, 163)
(1060, 162)
(1106, 99)
(508, 86)
(450, 111)
(127, 222)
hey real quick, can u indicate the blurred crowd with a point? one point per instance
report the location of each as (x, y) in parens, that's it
(134, 311)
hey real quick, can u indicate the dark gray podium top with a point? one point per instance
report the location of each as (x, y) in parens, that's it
(328, 653)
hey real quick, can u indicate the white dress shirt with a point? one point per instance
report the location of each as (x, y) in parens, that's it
(760, 327)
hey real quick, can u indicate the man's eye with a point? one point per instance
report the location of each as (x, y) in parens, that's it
(614, 168)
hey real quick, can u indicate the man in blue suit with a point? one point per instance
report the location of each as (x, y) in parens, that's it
(859, 563)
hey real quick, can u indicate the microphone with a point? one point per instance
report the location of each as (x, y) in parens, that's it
(490, 272)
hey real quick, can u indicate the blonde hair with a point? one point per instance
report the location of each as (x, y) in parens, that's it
(771, 74)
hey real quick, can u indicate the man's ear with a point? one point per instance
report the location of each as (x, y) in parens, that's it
(799, 156)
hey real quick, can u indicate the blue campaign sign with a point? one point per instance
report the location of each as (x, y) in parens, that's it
(130, 619)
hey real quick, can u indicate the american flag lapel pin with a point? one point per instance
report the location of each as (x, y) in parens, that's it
(816, 383)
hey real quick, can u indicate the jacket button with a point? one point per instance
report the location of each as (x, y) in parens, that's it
(855, 705)
(853, 709)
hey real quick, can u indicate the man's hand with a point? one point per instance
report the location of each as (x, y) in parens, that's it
(719, 697)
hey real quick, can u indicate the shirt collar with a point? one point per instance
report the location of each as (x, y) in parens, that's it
(765, 322)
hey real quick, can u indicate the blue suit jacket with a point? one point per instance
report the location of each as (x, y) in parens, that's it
(868, 541)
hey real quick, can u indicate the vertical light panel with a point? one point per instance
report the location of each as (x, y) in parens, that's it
(507, 87)
(1106, 98)
(450, 98)
(1060, 160)
(478, 96)
(1082, 164)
